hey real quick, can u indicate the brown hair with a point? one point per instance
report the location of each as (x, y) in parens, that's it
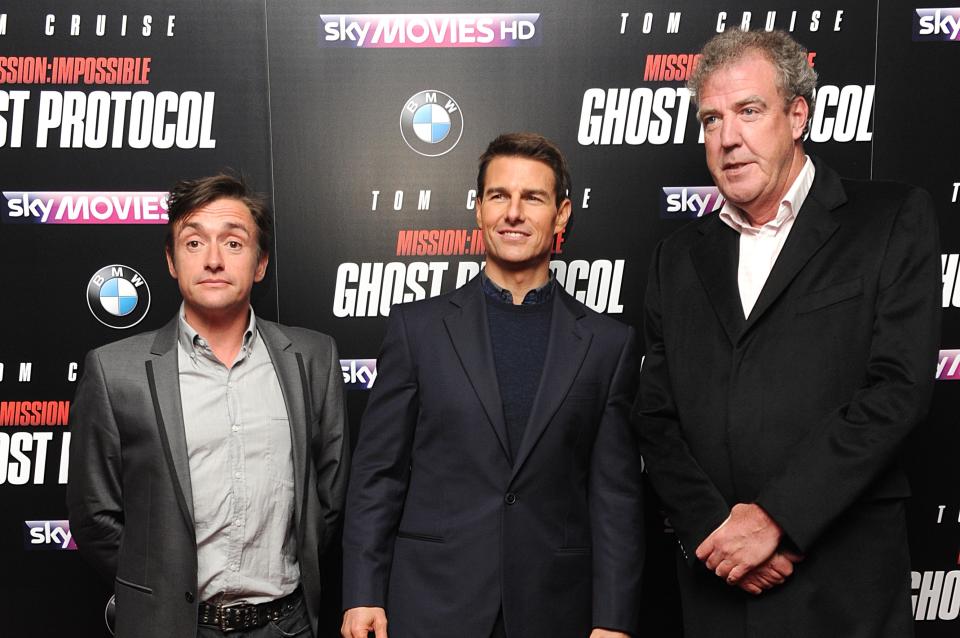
(532, 146)
(188, 195)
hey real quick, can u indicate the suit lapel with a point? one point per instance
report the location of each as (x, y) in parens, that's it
(715, 257)
(566, 350)
(292, 380)
(811, 230)
(164, 377)
(470, 336)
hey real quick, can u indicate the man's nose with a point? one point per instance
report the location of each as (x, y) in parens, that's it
(214, 257)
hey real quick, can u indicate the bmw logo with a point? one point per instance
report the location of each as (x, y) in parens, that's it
(431, 123)
(118, 296)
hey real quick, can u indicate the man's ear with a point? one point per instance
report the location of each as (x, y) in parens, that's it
(563, 215)
(799, 114)
(171, 268)
(261, 270)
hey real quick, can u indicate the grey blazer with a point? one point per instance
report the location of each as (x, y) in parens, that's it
(129, 493)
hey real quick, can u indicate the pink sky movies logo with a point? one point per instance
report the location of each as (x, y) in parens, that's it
(358, 374)
(429, 30)
(689, 202)
(84, 207)
(936, 25)
(948, 365)
(47, 535)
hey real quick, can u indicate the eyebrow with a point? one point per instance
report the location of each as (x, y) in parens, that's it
(200, 228)
(739, 104)
(752, 99)
(527, 191)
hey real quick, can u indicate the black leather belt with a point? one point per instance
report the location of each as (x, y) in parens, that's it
(237, 616)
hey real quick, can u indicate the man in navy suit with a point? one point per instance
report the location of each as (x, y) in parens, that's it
(496, 484)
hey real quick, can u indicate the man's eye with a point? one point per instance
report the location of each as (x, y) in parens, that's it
(234, 244)
(710, 121)
(193, 243)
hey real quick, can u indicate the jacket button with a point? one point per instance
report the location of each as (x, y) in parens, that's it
(188, 596)
(510, 498)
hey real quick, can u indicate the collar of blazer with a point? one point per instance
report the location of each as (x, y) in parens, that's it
(469, 332)
(715, 255)
(164, 381)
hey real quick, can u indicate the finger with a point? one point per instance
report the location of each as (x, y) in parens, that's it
(771, 580)
(723, 569)
(793, 557)
(736, 573)
(713, 560)
(751, 588)
(773, 575)
(781, 565)
(705, 548)
(380, 627)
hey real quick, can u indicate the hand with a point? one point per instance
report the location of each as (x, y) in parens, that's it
(742, 542)
(768, 575)
(606, 633)
(358, 621)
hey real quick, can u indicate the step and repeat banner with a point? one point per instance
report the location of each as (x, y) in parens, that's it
(364, 122)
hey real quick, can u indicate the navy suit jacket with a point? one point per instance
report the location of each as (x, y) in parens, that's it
(443, 525)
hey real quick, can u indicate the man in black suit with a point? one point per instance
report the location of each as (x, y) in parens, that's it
(496, 484)
(790, 348)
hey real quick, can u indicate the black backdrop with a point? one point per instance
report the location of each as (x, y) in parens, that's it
(104, 104)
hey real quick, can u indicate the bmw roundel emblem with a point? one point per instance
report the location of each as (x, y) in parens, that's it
(118, 296)
(431, 123)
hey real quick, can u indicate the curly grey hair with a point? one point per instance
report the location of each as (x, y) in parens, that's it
(795, 76)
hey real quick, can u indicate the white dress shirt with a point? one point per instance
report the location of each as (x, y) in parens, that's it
(760, 247)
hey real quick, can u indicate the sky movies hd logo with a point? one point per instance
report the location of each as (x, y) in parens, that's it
(689, 202)
(84, 207)
(52, 535)
(429, 30)
(936, 25)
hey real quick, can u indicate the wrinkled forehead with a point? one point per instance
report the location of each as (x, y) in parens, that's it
(752, 71)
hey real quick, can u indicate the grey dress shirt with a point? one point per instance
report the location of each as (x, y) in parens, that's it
(241, 470)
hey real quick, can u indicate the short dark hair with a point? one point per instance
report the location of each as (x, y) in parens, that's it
(188, 195)
(532, 146)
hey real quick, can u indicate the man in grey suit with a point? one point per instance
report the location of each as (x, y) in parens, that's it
(208, 459)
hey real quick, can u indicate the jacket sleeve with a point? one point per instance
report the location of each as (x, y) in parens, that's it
(692, 502)
(616, 504)
(94, 486)
(380, 472)
(331, 447)
(857, 442)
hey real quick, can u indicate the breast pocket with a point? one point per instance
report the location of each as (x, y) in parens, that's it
(830, 296)
(583, 393)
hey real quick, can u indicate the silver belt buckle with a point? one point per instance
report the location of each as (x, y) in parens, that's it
(221, 612)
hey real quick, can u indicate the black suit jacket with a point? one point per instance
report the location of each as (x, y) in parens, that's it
(129, 492)
(802, 407)
(442, 524)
